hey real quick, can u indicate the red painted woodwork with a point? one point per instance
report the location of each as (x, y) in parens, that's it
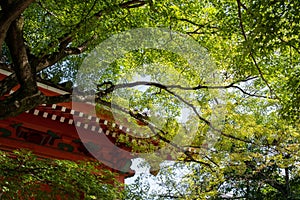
(49, 131)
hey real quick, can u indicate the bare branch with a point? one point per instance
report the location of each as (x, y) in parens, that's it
(167, 88)
(112, 87)
(205, 120)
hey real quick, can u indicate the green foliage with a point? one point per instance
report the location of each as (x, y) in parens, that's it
(263, 128)
(252, 151)
(24, 176)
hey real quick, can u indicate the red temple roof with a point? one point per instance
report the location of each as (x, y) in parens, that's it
(51, 131)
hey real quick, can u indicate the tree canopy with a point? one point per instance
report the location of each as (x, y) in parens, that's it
(26, 176)
(252, 88)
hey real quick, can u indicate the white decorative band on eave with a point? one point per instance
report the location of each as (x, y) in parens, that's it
(62, 119)
(56, 113)
(36, 112)
(78, 124)
(45, 114)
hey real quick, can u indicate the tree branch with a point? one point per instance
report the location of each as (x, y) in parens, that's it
(7, 84)
(205, 120)
(289, 44)
(251, 53)
(27, 96)
(10, 12)
(198, 25)
(25, 73)
(152, 127)
(18, 104)
(64, 41)
(15, 105)
(167, 89)
(133, 4)
(113, 87)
